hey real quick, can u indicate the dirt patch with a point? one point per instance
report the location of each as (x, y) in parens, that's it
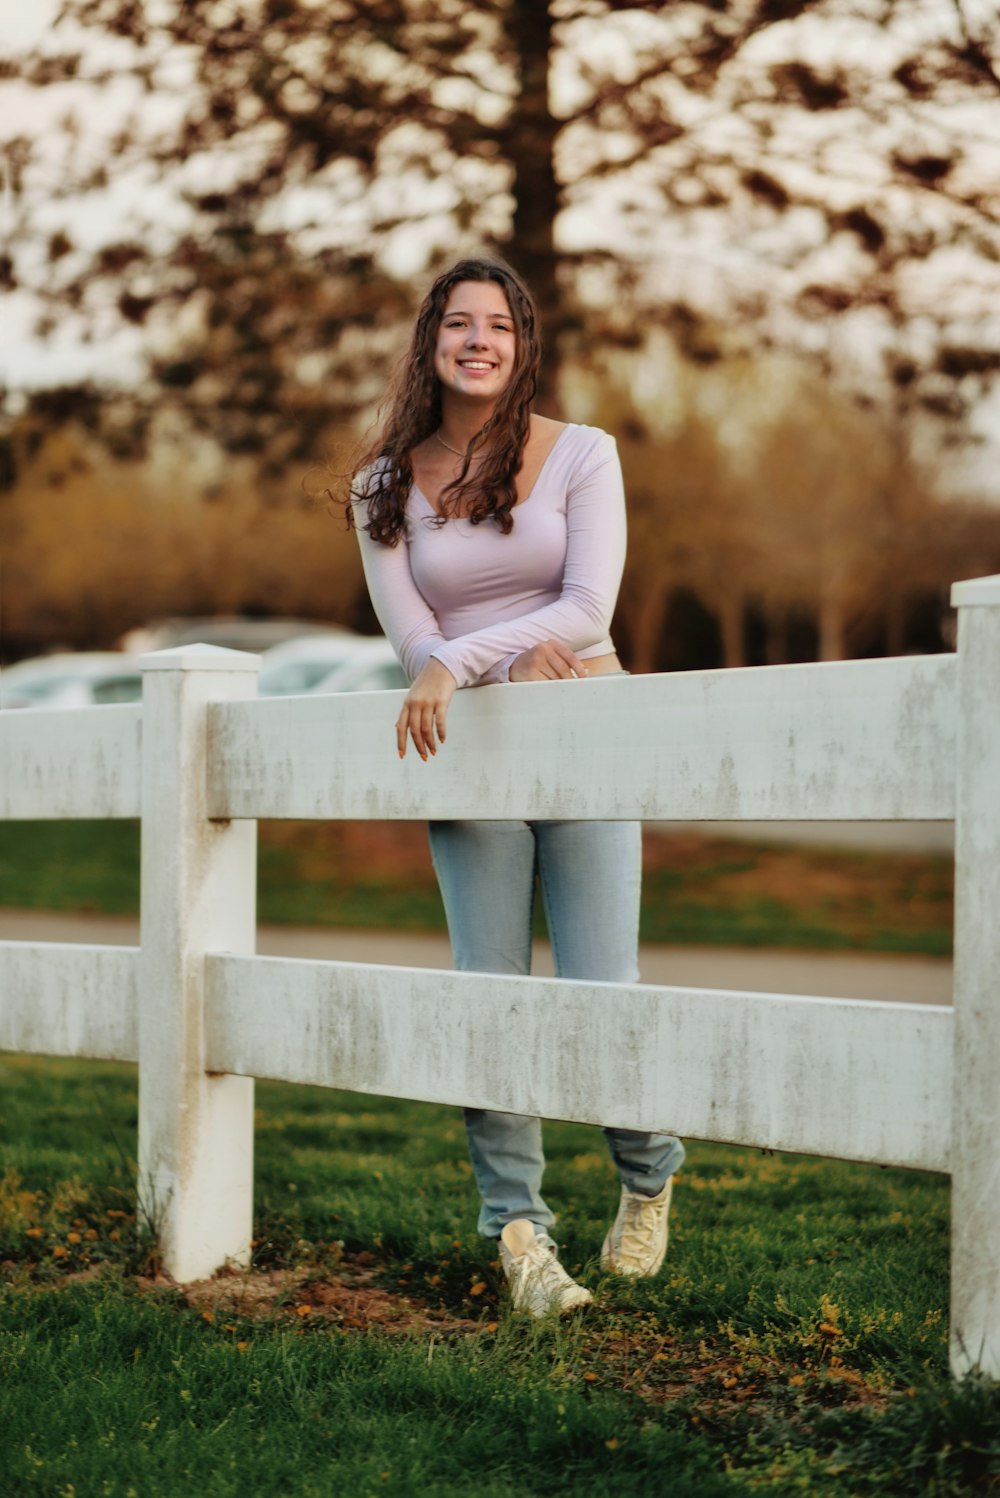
(716, 1384)
(908, 888)
(347, 1297)
(372, 850)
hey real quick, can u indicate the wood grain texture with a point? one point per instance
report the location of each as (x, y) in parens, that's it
(64, 999)
(846, 1078)
(858, 740)
(84, 762)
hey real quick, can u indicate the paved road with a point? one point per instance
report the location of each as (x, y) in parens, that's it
(915, 980)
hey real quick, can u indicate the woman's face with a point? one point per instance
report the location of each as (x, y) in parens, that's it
(476, 343)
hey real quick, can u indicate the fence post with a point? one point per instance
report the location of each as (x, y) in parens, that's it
(975, 1138)
(198, 895)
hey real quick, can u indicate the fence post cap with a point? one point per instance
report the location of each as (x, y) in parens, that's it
(977, 591)
(200, 658)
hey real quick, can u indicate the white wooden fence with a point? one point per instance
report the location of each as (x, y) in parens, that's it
(900, 1084)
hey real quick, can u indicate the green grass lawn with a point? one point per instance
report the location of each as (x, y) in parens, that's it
(695, 890)
(794, 1343)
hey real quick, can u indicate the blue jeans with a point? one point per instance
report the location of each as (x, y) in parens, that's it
(590, 874)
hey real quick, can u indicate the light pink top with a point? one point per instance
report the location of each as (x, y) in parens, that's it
(474, 598)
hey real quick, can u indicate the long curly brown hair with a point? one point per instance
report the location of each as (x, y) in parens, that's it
(384, 474)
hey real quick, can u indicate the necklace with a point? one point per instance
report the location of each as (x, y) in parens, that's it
(457, 451)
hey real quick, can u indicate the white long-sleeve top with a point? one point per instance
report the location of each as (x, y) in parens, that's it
(474, 599)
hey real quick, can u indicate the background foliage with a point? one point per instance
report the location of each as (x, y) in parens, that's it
(764, 234)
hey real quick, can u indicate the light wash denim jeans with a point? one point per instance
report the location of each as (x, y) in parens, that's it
(590, 875)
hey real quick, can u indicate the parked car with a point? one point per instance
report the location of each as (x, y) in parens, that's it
(231, 631)
(375, 669)
(303, 665)
(79, 679)
(317, 663)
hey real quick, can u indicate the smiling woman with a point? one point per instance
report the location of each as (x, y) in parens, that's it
(493, 542)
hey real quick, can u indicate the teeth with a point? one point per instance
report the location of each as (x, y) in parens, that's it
(471, 364)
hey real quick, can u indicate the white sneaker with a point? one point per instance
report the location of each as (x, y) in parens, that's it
(538, 1282)
(636, 1243)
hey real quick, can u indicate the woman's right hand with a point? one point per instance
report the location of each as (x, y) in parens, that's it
(425, 709)
(552, 661)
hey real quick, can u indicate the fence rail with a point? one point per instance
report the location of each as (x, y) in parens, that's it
(52, 768)
(913, 738)
(857, 740)
(850, 1078)
(67, 999)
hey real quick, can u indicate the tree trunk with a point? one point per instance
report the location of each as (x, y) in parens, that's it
(895, 623)
(647, 630)
(733, 633)
(776, 636)
(831, 630)
(530, 147)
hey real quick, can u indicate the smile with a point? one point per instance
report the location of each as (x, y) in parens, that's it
(474, 364)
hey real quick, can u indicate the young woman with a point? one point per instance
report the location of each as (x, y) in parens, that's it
(493, 543)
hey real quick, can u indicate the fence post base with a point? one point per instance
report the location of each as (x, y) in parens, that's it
(975, 1138)
(198, 895)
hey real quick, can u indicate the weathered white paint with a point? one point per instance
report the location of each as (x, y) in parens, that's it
(58, 999)
(975, 1162)
(848, 1078)
(851, 739)
(976, 592)
(85, 763)
(198, 894)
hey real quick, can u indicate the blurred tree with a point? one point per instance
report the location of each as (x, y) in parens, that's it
(799, 507)
(832, 509)
(809, 172)
(96, 545)
(236, 199)
(687, 531)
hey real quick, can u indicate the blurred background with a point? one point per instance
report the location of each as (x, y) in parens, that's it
(765, 237)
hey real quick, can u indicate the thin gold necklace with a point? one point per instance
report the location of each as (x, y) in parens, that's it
(457, 451)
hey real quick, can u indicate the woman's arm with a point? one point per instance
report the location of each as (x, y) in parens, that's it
(411, 626)
(406, 617)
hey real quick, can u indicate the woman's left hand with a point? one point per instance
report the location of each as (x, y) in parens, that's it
(551, 661)
(425, 709)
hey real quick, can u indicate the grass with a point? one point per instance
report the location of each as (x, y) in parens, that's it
(795, 1342)
(696, 890)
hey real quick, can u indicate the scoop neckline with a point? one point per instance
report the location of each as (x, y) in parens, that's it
(416, 489)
